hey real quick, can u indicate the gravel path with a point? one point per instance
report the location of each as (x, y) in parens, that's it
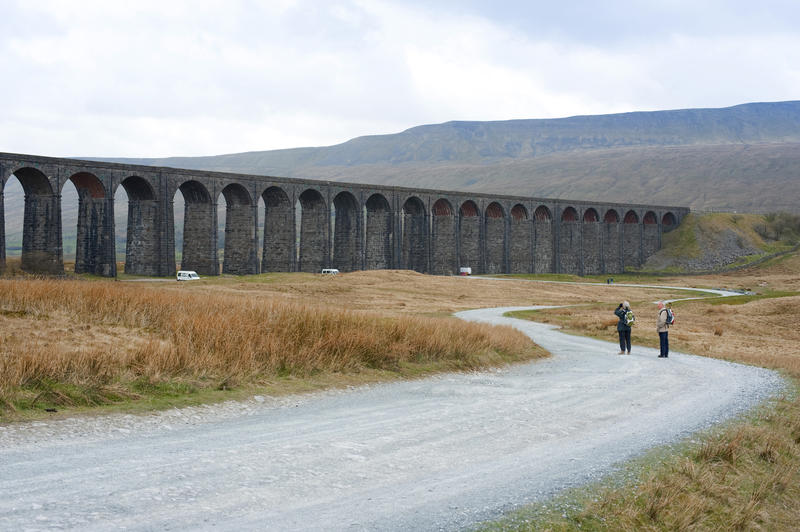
(437, 454)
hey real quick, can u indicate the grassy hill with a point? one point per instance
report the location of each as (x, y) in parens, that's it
(705, 242)
(742, 158)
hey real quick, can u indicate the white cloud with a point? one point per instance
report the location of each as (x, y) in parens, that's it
(194, 78)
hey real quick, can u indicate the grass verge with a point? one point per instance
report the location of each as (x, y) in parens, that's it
(745, 476)
(72, 344)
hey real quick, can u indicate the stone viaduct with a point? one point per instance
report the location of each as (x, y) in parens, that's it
(309, 225)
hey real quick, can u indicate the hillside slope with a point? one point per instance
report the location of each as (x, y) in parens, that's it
(744, 158)
(714, 241)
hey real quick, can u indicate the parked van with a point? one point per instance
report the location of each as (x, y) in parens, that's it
(329, 271)
(188, 275)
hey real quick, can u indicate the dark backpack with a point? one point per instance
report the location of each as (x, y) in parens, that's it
(670, 317)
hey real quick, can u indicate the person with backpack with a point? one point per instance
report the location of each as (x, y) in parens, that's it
(626, 320)
(665, 319)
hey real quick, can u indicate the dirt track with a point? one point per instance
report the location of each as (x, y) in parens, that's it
(440, 453)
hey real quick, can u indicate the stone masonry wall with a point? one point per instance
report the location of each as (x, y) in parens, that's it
(543, 247)
(611, 247)
(400, 227)
(570, 248)
(631, 245)
(468, 234)
(378, 239)
(520, 246)
(592, 243)
(41, 238)
(240, 251)
(495, 245)
(199, 238)
(443, 245)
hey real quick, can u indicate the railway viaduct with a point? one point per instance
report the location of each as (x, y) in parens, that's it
(309, 225)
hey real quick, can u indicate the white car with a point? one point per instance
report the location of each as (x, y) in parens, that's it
(330, 271)
(188, 275)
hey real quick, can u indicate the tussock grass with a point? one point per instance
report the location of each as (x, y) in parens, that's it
(746, 477)
(169, 338)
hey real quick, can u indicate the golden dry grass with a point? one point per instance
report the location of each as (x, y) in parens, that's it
(111, 337)
(746, 477)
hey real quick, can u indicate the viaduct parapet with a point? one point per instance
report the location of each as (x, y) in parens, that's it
(309, 225)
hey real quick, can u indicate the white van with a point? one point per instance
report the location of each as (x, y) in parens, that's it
(329, 271)
(187, 275)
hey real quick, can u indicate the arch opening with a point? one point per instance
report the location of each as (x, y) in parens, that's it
(40, 246)
(92, 242)
(569, 215)
(611, 217)
(590, 215)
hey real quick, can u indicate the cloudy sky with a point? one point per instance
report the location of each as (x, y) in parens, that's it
(171, 77)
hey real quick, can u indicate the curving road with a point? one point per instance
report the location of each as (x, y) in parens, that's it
(437, 454)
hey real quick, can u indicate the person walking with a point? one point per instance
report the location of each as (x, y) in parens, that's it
(662, 326)
(623, 327)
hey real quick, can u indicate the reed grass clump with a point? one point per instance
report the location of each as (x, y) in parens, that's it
(221, 340)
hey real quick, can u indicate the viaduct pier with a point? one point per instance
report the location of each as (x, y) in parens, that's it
(309, 225)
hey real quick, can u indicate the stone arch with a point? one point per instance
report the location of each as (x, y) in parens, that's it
(569, 243)
(542, 214)
(346, 231)
(469, 236)
(519, 243)
(314, 227)
(415, 235)
(631, 240)
(240, 254)
(668, 222)
(443, 238)
(94, 241)
(495, 238)
(611, 217)
(279, 231)
(543, 256)
(199, 229)
(42, 250)
(138, 189)
(590, 216)
(650, 218)
(379, 233)
(142, 241)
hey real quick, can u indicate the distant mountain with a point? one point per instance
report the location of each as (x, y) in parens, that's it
(704, 158)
